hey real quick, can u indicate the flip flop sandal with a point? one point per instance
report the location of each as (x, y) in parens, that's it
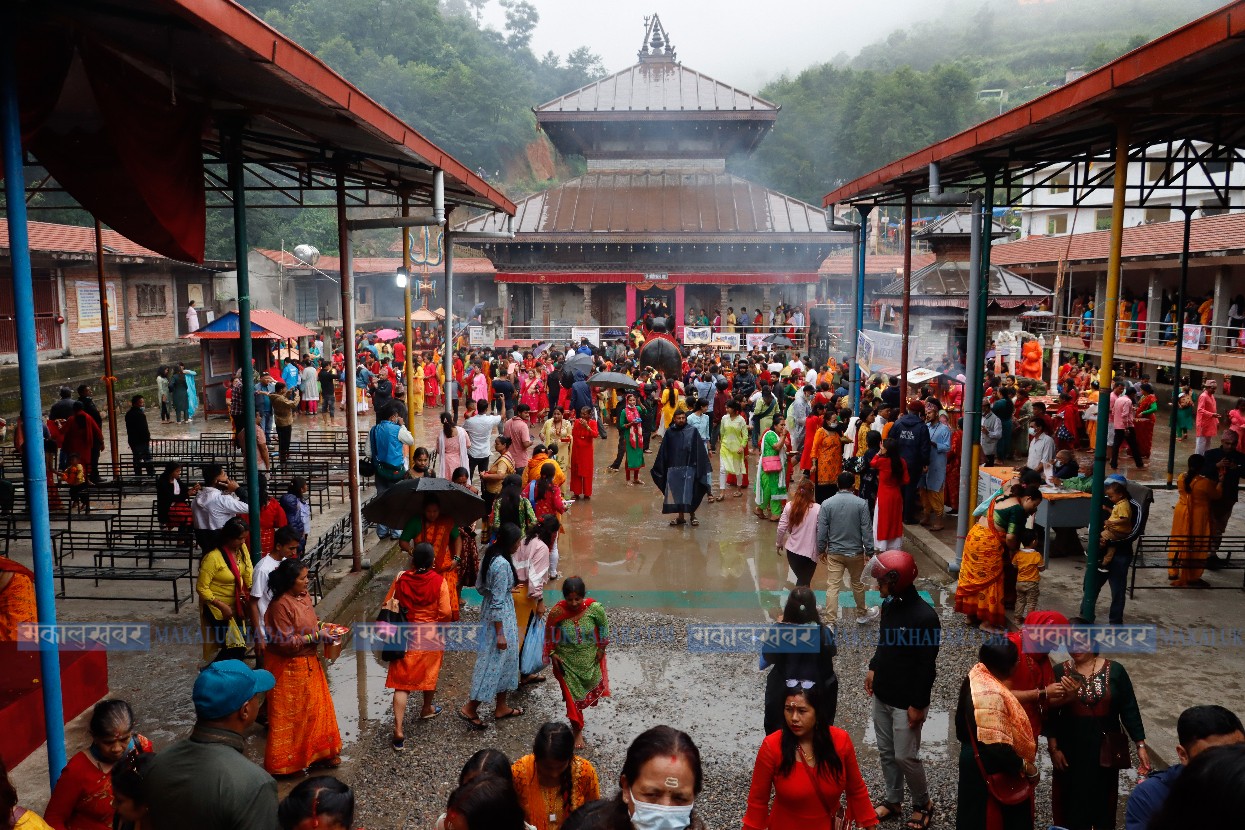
(695, 522)
(436, 710)
(536, 678)
(676, 522)
(475, 723)
(887, 812)
(926, 818)
(514, 712)
(398, 744)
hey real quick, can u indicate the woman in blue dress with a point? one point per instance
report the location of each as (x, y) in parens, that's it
(934, 480)
(497, 657)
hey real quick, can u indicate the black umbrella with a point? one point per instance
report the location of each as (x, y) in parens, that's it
(613, 380)
(405, 501)
(778, 340)
(582, 362)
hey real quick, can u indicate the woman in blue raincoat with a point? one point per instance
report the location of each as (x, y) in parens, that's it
(934, 480)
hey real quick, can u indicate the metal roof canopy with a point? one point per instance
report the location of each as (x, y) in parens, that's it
(301, 120)
(1179, 87)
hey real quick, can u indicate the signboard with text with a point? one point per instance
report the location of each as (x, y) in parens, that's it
(590, 333)
(89, 309)
(1192, 336)
(475, 336)
(697, 335)
(879, 352)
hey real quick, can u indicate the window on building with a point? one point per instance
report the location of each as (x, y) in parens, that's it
(151, 300)
(1061, 182)
(1217, 161)
(1213, 207)
(1156, 171)
(1102, 219)
(1057, 224)
(1158, 214)
(363, 294)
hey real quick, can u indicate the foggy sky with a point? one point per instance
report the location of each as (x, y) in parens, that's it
(728, 39)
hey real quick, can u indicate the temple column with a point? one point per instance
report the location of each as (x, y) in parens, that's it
(585, 318)
(503, 301)
(1154, 309)
(546, 315)
(1217, 339)
(724, 299)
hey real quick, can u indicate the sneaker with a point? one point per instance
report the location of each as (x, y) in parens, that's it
(869, 616)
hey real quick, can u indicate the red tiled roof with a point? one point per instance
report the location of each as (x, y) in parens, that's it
(1210, 233)
(885, 264)
(74, 239)
(375, 265)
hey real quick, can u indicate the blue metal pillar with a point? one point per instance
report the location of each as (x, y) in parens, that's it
(237, 181)
(862, 238)
(35, 473)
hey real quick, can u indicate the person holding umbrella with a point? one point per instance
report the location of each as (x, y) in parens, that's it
(442, 532)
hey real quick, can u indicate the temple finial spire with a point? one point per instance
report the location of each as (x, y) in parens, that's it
(656, 45)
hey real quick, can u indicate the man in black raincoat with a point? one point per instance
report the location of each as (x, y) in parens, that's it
(681, 470)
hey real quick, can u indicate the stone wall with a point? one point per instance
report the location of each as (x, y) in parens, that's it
(135, 370)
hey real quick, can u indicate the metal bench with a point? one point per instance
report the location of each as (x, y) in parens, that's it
(1154, 553)
(98, 573)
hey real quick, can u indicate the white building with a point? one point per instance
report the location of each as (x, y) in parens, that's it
(1055, 201)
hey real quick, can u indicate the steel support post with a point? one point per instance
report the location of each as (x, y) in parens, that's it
(352, 417)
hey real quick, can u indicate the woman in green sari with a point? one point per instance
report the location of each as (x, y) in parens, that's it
(576, 634)
(771, 489)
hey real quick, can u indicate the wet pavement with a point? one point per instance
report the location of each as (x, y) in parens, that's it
(653, 580)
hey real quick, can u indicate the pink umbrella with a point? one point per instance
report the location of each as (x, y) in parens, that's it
(388, 334)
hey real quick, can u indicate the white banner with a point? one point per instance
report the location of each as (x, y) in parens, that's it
(89, 311)
(475, 336)
(697, 335)
(730, 338)
(590, 333)
(879, 352)
(1192, 336)
(757, 341)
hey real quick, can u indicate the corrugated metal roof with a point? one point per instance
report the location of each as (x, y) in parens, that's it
(957, 223)
(1210, 233)
(944, 279)
(657, 86)
(840, 265)
(374, 265)
(655, 202)
(265, 325)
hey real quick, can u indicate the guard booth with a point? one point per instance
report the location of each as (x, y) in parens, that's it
(221, 345)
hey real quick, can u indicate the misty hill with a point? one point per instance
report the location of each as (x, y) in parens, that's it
(920, 84)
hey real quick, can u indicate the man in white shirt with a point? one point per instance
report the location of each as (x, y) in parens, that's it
(479, 428)
(215, 505)
(284, 546)
(1041, 445)
(192, 318)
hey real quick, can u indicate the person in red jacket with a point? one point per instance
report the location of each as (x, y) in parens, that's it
(808, 765)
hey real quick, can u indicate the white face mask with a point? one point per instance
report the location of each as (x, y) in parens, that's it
(659, 816)
(1032, 431)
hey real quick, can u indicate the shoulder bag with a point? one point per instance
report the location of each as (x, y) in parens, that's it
(1005, 788)
(390, 622)
(838, 812)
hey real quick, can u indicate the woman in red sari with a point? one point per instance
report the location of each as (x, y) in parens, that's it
(892, 475)
(1143, 424)
(432, 388)
(583, 433)
(1068, 433)
(951, 492)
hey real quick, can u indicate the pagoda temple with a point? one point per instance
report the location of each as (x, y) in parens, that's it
(656, 216)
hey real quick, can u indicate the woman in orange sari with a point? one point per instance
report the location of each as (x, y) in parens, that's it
(990, 543)
(445, 538)
(422, 596)
(302, 723)
(17, 598)
(1198, 488)
(826, 456)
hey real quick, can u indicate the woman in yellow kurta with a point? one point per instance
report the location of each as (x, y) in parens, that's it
(556, 432)
(1191, 522)
(553, 781)
(423, 597)
(417, 385)
(17, 598)
(224, 588)
(671, 401)
(302, 723)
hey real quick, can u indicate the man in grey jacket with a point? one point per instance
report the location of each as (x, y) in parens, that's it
(845, 538)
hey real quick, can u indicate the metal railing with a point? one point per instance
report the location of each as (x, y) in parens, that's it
(1156, 340)
(563, 333)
